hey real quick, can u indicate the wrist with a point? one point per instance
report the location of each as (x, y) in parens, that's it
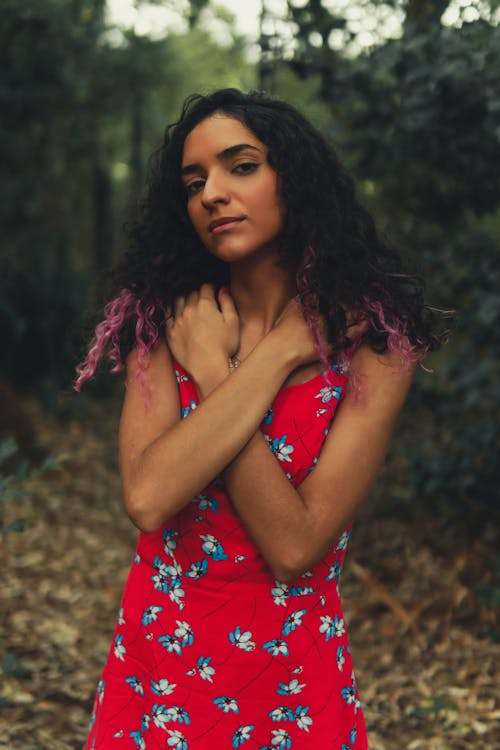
(283, 348)
(212, 376)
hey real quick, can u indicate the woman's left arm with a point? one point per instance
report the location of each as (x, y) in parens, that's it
(294, 527)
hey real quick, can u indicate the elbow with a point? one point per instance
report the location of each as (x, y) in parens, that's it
(285, 575)
(143, 515)
(289, 567)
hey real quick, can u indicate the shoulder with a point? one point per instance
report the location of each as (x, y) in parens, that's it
(151, 395)
(378, 382)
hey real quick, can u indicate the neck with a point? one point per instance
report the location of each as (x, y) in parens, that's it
(261, 290)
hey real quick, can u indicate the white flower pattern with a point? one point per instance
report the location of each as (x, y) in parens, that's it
(274, 640)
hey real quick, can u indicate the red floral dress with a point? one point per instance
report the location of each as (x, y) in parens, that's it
(209, 650)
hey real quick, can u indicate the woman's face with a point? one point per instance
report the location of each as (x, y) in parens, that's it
(232, 191)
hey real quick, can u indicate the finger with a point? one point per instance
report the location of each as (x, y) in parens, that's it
(207, 291)
(226, 303)
(169, 318)
(180, 304)
(192, 297)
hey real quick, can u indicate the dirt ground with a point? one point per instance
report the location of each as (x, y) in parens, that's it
(422, 636)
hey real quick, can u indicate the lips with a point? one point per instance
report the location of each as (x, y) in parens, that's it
(226, 222)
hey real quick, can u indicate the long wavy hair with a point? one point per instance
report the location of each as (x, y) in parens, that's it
(344, 269)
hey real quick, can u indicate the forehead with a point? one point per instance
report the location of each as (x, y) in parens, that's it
(216, 133)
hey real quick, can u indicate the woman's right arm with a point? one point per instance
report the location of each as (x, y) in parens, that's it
(166, 461)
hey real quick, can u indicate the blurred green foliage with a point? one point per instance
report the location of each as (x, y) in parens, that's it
(417, 118)
(82, 107)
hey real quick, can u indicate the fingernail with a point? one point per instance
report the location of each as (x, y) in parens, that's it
(224, 289)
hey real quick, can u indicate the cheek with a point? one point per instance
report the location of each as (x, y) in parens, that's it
(194, 216)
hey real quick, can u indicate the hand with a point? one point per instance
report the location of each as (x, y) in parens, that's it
(293, 327)
(200, 336)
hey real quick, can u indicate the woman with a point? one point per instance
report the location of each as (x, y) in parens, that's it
(244, 456)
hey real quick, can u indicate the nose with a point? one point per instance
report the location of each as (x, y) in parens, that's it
(215, 190)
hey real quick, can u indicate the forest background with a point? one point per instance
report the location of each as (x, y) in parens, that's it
(409, 92)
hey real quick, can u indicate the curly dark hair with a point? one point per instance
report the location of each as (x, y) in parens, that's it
(329, 239)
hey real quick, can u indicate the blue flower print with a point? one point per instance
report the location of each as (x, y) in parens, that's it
(282, 713)
(119, 648)
(176, 713)
(346, 747)
(293, 621)
(138, 739)
(280, 593)
(301, 590)
(281, 739)
(352, 736)
(135, 684)
(327, 627)
(171, 643)
(188, 409)
(341, 366)
(100, 690)
(169, 543)
(197, 569)
(331, 627)
(311, 467)
(184, 633)
(159, 715)
(303, 720)
(207, 503)
(204, 669)
(349, 695)
(145, 722)
(276, 647)
(176, 593)
(160, 583)
(268, 416)
(320, 412)
(212, 547)
(181, 378)
(168, 580)
(281, 450)
(334, 572)
(290, 688)
(160, 580)
(340, 659)
(239, 558)
(120, 619)
(328, 392)
(174, 572)
(339, 625)
(242, 734)
(162, 687)
(242, 640)
(342, 542)
(177, 740)
(150, 614)
(227, 704)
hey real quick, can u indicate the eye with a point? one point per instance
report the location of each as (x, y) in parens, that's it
(246, 167)
(194, 187)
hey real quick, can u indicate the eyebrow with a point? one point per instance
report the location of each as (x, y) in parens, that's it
(224, 154)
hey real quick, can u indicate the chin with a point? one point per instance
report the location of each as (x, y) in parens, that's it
(235, 254)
